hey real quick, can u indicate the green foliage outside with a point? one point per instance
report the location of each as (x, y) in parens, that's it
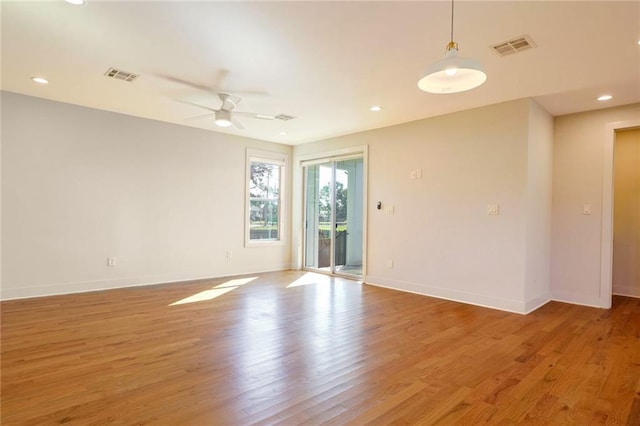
(341, 203)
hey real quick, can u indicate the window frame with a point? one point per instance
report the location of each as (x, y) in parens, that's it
(277, 159)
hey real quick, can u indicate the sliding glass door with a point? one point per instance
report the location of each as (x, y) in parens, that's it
(334, 216)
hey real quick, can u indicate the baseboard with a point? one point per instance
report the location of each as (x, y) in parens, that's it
(627, 291)
(501, 304)
(536, 303)
(580, 299)
(99, 285)
(635, 296)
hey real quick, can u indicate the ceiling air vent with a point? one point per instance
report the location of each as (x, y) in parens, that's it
(284, 117)
(513, 46)
(121, 75)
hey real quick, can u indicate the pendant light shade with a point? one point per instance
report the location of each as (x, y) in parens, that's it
(452, 74)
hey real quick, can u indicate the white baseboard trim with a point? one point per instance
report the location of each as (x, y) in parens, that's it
(536, 303)
(100, 285)
(508, 305)
(626, 294)
(626, 290)
(580, 299)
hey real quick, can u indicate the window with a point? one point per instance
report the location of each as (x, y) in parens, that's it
(265, 197)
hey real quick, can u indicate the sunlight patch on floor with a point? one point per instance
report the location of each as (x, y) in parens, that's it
(215, 291)
(308, 279)
(236, 282)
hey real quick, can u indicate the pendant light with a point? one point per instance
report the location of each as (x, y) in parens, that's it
(452, 74)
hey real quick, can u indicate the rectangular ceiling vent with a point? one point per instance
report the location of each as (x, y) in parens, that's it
(121, 75)
(284, 117)
(516, 45)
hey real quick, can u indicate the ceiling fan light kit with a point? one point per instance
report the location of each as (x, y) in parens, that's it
(222, 118)
(453, 73)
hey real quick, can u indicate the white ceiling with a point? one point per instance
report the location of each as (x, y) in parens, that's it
(323, 62)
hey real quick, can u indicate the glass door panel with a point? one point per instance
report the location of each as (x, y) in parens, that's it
(334, 216)
(318, 216)
(348, 199)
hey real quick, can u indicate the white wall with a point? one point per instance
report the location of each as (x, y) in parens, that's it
(539, 190)
(440, 238)
(79, 185)
(576, 243)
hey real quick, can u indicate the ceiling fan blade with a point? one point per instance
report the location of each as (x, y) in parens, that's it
(246, 92)
(219, 77)
(197, 117)
(237, 124)
(255, 115)
(196, 105)
(187, 83)
(211, 89)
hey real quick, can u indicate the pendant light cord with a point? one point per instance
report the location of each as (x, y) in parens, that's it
(452, 20)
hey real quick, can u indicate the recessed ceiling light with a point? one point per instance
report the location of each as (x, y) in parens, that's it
(75, 2)
(40, 80)
(283, 133)
(376, 108)
(605, 97)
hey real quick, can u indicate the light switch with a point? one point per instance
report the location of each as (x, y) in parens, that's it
(586, 209)
(413, 174)
(389, 209)
(493, 209)
(418, 173)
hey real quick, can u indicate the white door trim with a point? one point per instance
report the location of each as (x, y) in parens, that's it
(361, 151)
(606, 252)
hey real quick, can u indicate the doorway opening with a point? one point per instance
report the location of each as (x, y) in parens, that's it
(607, 249)
(626, 213)
(333, 216)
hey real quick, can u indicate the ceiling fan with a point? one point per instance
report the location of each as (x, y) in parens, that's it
(225, 115)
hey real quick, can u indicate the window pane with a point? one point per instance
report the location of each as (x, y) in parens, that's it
(263, 220)
(264, 186)
(265, 180)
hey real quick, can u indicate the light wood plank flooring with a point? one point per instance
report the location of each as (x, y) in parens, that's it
(299, 348)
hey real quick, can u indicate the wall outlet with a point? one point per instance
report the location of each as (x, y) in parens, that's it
(229, 254)
(493, 209)
(389, 209)
(390, 264)
(413, 174)
(586, 209)
(111, 261)
(418, 173)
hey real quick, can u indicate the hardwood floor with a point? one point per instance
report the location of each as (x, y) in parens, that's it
(299, 348)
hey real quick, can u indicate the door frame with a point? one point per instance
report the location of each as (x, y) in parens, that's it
(298, 214)
(606, 251)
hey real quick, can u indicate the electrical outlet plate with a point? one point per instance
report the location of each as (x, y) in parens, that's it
(493, 209)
